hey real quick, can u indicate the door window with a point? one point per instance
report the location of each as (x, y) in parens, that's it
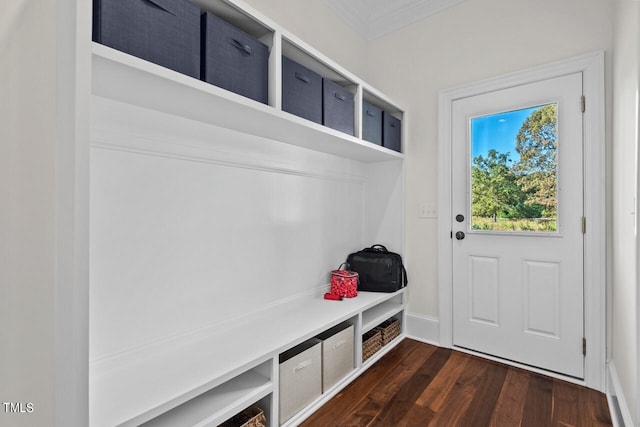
(513, 170)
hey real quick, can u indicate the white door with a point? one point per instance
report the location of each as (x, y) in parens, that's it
(517, 203)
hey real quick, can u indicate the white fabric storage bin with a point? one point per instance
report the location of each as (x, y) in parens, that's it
(337, 355)
(300, 377)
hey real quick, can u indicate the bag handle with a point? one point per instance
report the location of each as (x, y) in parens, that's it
(346, 265)
(339, 96)
(378, 248)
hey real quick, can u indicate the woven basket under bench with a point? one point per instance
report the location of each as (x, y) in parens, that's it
(250, 417)
(390, 330)
(371, 343)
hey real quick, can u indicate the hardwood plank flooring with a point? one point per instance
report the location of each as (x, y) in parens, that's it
(418, 384)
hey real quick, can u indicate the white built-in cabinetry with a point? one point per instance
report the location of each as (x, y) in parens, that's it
(215, 221)
(183, 386)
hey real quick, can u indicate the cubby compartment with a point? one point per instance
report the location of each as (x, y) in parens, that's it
(382, 335)
(382, 122)
(222, 402)
(235, 50)
(372, 317)
(314, 90)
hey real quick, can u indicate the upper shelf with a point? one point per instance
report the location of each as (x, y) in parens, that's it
(125, 78)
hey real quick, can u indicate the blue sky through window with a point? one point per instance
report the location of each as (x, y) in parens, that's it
(498, 132)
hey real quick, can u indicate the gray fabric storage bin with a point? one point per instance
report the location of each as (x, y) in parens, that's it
(371, 123)
(300, 377)
(233, 60)
(337, 107)
(165, 32)
(391, 132)
(337, 355)
(301, 91)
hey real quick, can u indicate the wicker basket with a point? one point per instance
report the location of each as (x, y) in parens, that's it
(250, 417)
(390, 329)
(371, 343)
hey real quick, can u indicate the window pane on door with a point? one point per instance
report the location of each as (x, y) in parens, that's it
(514, 170)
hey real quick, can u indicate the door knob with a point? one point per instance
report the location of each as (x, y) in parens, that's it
(459, 235)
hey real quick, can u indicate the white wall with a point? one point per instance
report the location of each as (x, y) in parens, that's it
(315, 24)
(624, 292)
(43, 228)
(27, 217)
(476, 40)
(213, 224)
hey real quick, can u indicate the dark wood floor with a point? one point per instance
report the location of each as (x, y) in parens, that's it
(418, 384)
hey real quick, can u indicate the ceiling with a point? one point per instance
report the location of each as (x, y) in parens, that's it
(374, 18)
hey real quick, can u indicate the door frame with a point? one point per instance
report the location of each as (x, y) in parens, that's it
(592, 68)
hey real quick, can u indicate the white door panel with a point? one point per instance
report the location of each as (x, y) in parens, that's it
(518, 294)
(541, 282)
(483, 289)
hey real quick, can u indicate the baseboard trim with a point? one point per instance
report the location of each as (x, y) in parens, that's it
(423, 328)
(618, 408)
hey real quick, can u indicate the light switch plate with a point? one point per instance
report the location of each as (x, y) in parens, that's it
(428, 210)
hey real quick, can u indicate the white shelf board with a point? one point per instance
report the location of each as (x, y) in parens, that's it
(140, 385)
(378, 314)
(216, 406)
(122, 77)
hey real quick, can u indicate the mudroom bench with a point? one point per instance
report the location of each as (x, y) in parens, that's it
(211, 375)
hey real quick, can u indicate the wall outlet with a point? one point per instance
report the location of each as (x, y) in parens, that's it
(428, 210)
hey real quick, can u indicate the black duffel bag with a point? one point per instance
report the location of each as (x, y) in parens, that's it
(379, 269)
